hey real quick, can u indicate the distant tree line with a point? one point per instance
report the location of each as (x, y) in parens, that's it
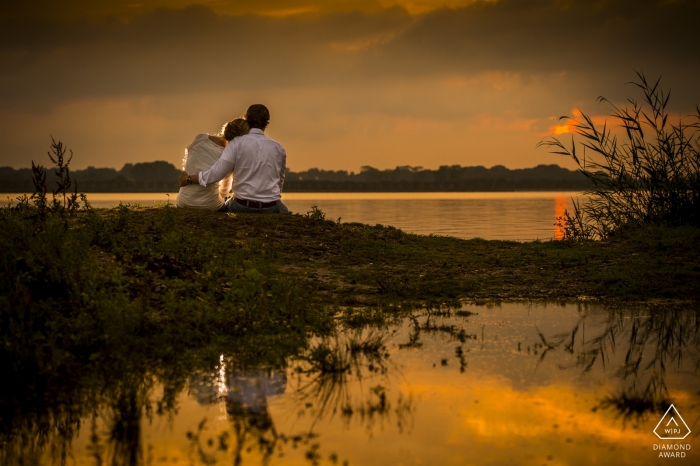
(445, 178)
(158, 176)
(162, 176)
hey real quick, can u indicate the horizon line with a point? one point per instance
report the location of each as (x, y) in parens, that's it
(414, 167)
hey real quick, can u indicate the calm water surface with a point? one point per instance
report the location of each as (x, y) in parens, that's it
(512, 216)
(514, 384)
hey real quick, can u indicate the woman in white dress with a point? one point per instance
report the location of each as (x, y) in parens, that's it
(204, 151)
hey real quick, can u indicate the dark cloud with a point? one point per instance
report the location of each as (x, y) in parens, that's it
(126, 9)
(598, 40)
(175, 51)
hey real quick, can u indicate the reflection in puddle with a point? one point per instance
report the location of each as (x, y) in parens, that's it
(509, 384)
(244, 395)
(348, 377)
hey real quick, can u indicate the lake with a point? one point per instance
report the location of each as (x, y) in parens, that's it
(508, 384)
(521, 216)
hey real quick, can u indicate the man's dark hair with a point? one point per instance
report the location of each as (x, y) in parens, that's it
(258, 116)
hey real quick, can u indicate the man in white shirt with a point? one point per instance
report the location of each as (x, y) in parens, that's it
(258, 165)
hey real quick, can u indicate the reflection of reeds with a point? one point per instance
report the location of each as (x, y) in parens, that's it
(130, 402)
(653, 340)
(330, 371)
(430, 326)
(332, 363)
(631, 406)
(27, 442)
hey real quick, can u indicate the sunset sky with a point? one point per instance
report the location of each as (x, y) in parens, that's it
(348, 83)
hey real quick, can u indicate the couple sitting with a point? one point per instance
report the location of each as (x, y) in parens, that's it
(242, 158)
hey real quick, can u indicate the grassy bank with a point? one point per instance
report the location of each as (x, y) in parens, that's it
(180, 277)
(362, 265)
(169, 257)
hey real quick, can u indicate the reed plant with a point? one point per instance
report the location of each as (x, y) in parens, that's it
(649, 175)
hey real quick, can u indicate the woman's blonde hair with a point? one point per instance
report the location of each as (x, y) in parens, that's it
(230, 130)
(234, 128)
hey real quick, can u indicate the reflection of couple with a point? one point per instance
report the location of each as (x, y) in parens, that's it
(241, 158)
(245, 393)
(247, 388)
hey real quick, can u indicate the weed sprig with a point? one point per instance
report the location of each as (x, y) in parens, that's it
(63, 202)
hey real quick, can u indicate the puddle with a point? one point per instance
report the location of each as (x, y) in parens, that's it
(509, 384)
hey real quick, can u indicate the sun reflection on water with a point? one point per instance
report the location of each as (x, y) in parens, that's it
(560, 206)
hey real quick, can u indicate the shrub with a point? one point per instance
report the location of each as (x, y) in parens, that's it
(649, 176)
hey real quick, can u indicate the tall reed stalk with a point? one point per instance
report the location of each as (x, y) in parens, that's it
(648, 176)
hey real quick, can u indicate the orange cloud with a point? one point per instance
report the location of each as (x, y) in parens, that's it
(560, 129)
(419, 7)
